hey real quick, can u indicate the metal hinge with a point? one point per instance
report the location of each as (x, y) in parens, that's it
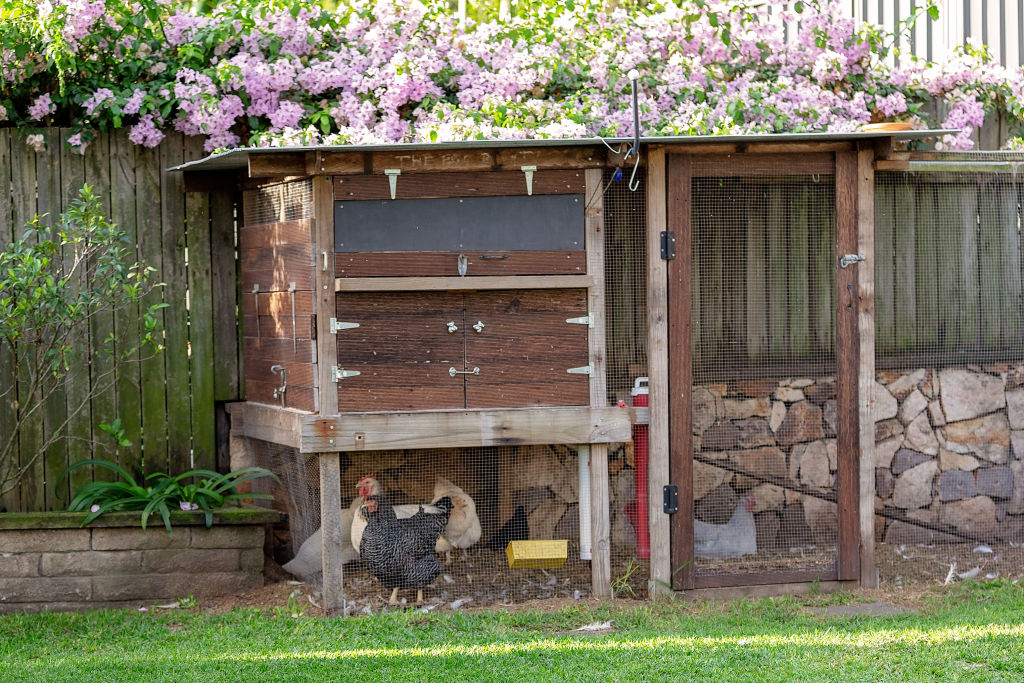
(341, 373)
(582, 320)
(668, 245)
(671, 499)
(341, 325)
(582, 370)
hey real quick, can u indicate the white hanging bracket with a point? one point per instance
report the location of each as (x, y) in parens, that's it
(392, 174)
(582, 370)
(582, 320)
(528, 171)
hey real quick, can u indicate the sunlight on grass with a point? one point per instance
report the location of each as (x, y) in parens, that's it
(827, 637)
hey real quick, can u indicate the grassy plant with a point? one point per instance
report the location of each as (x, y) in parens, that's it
(621, 585)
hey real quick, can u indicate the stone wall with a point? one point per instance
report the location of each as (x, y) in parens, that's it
(48, 563)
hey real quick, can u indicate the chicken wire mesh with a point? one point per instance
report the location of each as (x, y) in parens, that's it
(763, 349)
(949, 399)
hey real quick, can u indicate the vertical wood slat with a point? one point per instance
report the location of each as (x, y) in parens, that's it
(1010, 265)
(657, 368)
(174, 273)
(949, 297)
(849, 201)
(756, 276)
(680, 369)
(11, 500)
(885, 330)
(990, 244)
(777, 272)
(904, 290)
(821, 224)
(227, 357)
(799, 267)
(971, 302)
(153, 378)
(926, 247)
(600, 520)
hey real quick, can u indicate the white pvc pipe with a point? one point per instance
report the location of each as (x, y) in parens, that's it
(586, 543)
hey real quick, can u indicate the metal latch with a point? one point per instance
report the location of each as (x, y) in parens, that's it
(392, 174)
(337, 325)
(670, 503)
(452, 372)
(850, 259)
(341, 373)
(668, 245)
(528, 171)
(582, 320)
(582, 370)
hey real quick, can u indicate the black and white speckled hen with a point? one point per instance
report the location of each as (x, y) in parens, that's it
(400, 552)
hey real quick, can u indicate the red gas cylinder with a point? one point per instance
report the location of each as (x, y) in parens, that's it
(636, 509)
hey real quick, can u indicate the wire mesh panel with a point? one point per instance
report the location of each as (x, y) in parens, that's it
(763, 402)
(949, 399)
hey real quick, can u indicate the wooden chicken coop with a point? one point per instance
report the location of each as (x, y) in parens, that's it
(457, 296)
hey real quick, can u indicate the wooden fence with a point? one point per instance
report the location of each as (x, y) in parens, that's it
(166, 402)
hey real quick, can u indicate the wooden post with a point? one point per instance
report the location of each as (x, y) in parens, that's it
(866, 376)
(600, 522)
(660, 581)
(327, 357)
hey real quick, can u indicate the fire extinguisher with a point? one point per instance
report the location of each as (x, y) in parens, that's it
(636, 509)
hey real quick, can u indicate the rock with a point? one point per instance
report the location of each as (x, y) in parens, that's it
(753, 433)
(703, 410)
(885, 451)
(832, 448)
(768, 497)
(767, 525)
(929, 385)
(1015, 409)
(831, 416)
(883, 404)
(913, 405)
(903, 386)
(1016, 504)
(751, 407)
(988, 437)
(920, 437)
(899, 533)
(1017, 444)
(800, 383)
(777, 416)
(545, 518)
(967, 395)
(883, 482)
(995, 482)
(948, 460)
(935, 415)
(758, 461)
(1011, 529)
(802, 423)
(705, 478)
(1015, 378)
(905, 459)
(913, 488)
(623, 533)
(821, 519)
(886, 429)
(820, 392)
(793, 529)
(756, 388)
(956, 485)
(720, 437)
(814, 466)
(717, 506)
(887, 376)
(789, 395)
(975, 515)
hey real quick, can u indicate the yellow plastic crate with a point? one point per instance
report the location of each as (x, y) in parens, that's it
(537, 554)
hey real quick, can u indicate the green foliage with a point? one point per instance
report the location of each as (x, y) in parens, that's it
(199, 489)
(54, 280)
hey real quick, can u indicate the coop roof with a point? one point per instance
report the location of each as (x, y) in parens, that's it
(236, 159)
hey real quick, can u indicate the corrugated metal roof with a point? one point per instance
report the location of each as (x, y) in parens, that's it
(239, 158)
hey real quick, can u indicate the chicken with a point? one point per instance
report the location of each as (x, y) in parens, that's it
(400, 552)
(517, 528)
(369, 486)
(463, 528)
(308, 562)
(735, 538)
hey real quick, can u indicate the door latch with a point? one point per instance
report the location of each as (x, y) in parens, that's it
(847, 260)
(452, 372)
(671, 499)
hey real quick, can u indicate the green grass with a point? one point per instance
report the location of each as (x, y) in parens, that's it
(969, 632)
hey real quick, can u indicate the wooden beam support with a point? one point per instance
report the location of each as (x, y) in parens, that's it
(463, 428)
(331, 536)
(443, 284)
(660, 581)
(275, 164)
(746, 165)
(268, 423)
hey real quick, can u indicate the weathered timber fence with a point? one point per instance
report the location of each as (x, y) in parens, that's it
(167, 402)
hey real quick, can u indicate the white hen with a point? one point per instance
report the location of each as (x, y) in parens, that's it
(308, 562)
(463, 529)
(735, 538)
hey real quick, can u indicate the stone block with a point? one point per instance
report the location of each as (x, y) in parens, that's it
(777, 416)
(747, 408)
(172, 586)
(15, 565)
(956, 485)
(92, 562)
(995, 482)
(821, 519)
(154, 536)
(884, 405)
(753, 433)
(793, 529)
(768, 497)
(885, 451)
(883, 482)
(829, 412)
(803, 423)
(767, 526)
(41, 540)
(935, 415)
(789, 395)
(45, 589)
(1015, 409)
(758, 461)
(227, 537)
(913, 405)
(720, 437)
(974, 515)
(762, 388)
(920, 437)
(887, 429)
(1016, 504)
(905, 384)
(905, 459)
(704, 409)
(913, 488)
(820, 392)
(194, 560)
(717, 507)
(814, 466)
(966, 395)
(1017, 445)
(987, 437)
(948, 460)
(706, 478)
(251, 560)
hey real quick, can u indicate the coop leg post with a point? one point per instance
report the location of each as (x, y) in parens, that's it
(600, 525)
(330, 524)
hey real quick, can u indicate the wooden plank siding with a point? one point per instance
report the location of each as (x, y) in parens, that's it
(165, 400)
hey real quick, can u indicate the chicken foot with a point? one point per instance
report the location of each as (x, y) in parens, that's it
(393, 600)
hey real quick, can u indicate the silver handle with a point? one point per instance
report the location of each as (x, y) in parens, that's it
(452, 327)
(452, 372)
(479, 327)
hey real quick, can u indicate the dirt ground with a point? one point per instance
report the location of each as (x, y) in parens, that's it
(478, 582)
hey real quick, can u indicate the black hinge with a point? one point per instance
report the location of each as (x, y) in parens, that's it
(668, 245)
(671, 502)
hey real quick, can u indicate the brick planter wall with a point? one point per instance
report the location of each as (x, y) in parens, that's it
(48, 562)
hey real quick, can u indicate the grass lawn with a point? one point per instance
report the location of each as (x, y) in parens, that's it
(970, 632)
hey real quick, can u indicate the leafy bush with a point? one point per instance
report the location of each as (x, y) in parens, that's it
(204, 490)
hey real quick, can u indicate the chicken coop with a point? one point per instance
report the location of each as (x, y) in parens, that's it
(657, 353)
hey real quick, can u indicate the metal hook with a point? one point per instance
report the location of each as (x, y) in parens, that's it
(279, 392)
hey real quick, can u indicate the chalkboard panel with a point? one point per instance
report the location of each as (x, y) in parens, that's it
(523, 223)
